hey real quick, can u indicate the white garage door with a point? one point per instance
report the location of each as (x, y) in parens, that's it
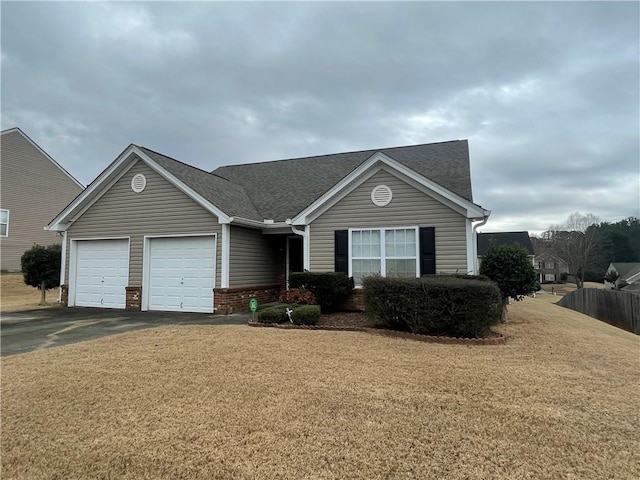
(182, 274)
(102, 273)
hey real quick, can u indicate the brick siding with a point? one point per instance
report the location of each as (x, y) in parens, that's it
(232, 300)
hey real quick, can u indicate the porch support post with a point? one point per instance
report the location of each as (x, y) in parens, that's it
(63, 264)
(225, 253)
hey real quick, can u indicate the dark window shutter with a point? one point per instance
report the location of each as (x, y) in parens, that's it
(427, 250)
(342, 251)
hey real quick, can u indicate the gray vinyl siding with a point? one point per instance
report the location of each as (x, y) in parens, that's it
(161, 209)
(252, 258)
(408, 207)
(34, 190)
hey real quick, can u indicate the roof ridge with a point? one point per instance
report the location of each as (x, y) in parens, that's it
(341, 153)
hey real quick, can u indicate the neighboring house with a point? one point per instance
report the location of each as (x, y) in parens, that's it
(153, 233)
(549, 267)
(485, 240)
(628, 276)
(34, 188)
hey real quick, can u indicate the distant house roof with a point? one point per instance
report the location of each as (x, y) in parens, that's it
(282, 189)
(18, 130)
(627, 271)
(503, 238)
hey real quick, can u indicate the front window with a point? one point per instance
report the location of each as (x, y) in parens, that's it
(390, 252)
(549, 277)
(550, 265)
(4, 223)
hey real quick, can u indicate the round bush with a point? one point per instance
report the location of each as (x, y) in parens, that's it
(306, 315)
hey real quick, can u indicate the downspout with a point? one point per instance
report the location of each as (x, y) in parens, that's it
(305, 245)
(485, 219)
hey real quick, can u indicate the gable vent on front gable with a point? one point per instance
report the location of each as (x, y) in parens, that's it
(138, 182)
(381, 195)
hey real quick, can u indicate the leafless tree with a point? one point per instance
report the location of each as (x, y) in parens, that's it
(578, 242)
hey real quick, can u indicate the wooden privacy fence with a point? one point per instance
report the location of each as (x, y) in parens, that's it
(621, 309)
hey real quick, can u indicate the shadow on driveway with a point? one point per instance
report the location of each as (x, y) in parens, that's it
(22, 332)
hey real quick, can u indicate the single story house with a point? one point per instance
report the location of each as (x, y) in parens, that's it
(153, 233)
(486, 239)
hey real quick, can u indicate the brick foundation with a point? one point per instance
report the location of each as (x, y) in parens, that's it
(354, 302)
(236, 299)
(64, 295)
(134, 298)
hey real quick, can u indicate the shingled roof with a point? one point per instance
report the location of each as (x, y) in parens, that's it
(224, 194)
(503, 238)
(282, 189)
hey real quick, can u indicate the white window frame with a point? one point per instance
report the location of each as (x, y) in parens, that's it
(383, 253)
(549, 277)
(6, 233)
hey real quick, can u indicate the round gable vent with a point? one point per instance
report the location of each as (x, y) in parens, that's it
(381, 195)
(138, 182)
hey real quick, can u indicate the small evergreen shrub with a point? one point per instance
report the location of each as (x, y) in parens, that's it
(300, 296)
(434, 305)
(329, 288)
(275, 314)
(306, 315)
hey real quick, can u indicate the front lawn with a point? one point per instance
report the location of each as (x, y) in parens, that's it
(559, 400)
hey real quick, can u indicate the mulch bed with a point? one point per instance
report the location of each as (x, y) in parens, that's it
(358, 321)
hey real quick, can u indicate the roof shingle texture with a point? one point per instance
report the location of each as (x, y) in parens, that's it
(282, 189)
(224, 194)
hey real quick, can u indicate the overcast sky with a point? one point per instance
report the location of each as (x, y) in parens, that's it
(546, 93)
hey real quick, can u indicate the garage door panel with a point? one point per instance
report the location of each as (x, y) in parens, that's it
(102, 273)
(182, 274)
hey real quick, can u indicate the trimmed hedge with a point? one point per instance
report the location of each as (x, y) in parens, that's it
(434, 305)
(306, 315)
(329, 288)
(275, 314)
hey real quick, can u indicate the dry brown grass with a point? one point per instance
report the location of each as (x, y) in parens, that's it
(560, 400)
(15, 296)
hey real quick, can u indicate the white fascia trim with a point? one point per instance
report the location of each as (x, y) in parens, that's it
(17, 129)
(225, 254)
(204, 203)
(472, 210)
(247, 222)
(98, 197)
(60, 223)
(146, 264)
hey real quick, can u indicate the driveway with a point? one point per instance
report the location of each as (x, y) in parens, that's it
(36, 329)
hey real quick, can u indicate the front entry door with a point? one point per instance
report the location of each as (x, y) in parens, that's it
(295, 262)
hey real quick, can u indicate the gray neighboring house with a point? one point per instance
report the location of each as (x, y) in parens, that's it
(628, 276)
(485, 240)
(153, 233)
(34, 188)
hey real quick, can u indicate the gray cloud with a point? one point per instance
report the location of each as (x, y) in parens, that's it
(546, 93)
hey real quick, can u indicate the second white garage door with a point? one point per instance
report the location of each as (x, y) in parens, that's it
(181, 274)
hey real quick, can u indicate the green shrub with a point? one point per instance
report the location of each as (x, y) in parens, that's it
(300, 296)
(275, 314)
(306, 315)
(329, 288)
(434, 305)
